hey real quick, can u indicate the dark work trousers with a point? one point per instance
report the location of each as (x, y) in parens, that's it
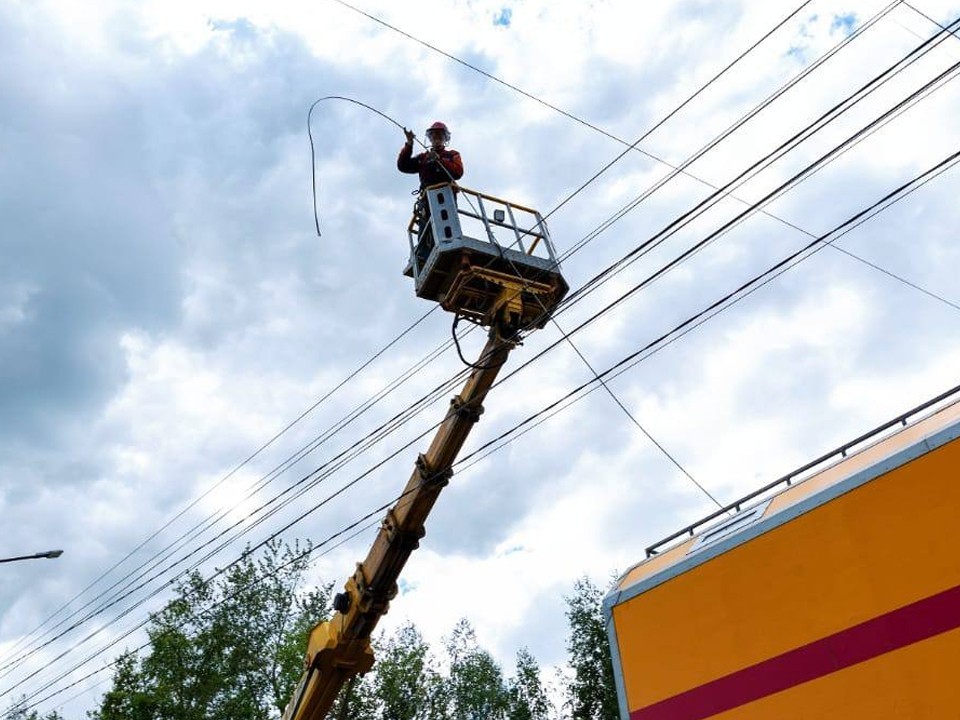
(425, 243)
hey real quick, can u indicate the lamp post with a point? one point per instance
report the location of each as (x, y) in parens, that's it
(49, 554)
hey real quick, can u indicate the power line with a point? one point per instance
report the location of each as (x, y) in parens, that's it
(309, 511)
(819, 123)
(352, 526)
(923, 14)
(222, 480)
(632, 146)
(138, 587)
(614, 370)
(634, 420)
(683, 167)
(745, 289)
(125, 592)
(311, 479)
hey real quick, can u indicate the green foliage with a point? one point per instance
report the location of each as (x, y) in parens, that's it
(406, 683)
(230, 649)
(475, 686)
(528, 699)
(356, 701)
(19, 711)
(591, 692)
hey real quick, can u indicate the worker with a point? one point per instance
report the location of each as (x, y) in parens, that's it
(438, 164)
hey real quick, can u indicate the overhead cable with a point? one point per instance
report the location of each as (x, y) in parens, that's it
(711, 310)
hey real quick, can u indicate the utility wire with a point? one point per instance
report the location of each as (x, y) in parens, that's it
(711, 310)
(165, 553)
(633, 419)
(307, 483)
(683, 167)
(808, 172)
(565, 113)
(578, 351)
(220, 482)
(313, 158)
(808, 131)
(274, 535)
(923, 14)
(630, 360)
(352, 526)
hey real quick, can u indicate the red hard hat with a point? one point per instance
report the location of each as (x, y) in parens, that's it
(438, 126)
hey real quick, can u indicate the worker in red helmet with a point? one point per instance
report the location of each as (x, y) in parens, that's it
(438, 164)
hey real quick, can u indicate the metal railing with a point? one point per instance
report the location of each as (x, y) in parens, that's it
(790, 478)
(485, 213)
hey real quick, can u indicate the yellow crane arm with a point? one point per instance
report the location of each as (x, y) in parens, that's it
(338, 649)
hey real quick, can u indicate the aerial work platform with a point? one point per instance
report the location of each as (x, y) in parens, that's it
(833, 592)
(458, 260)
(511, 286)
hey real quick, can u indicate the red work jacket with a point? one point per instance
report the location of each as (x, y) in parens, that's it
(432, 172)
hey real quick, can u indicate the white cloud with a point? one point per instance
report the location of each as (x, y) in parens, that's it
(165, 305)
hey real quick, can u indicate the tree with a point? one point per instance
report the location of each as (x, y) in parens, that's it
(475, 685)
(406, 684)
(591, 693)
(230, 649)
(355, 701)
(528, 699)
(20, 711)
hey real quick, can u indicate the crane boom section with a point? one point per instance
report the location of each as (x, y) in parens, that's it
(339, 649)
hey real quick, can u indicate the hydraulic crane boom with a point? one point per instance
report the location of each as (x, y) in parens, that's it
(339, 648)
(503, 287)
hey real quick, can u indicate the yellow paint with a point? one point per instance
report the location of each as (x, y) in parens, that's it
(830, 475)
(917, 682)
(884, 545)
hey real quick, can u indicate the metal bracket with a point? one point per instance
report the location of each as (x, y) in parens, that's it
(407, 540)
(431, 477)
(470, 412)
(369, 601)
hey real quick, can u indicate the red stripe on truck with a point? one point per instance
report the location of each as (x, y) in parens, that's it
(907, 625)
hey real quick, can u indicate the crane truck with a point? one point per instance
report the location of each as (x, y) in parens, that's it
(508, 287)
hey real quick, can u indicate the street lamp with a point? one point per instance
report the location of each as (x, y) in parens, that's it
(49, 554)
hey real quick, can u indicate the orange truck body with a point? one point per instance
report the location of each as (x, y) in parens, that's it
(836, 597)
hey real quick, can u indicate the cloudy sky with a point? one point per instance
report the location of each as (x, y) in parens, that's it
(166, 307)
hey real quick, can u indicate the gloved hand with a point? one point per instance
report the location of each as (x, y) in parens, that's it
(410, 135)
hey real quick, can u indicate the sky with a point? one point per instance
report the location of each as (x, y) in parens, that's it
(167, 307)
